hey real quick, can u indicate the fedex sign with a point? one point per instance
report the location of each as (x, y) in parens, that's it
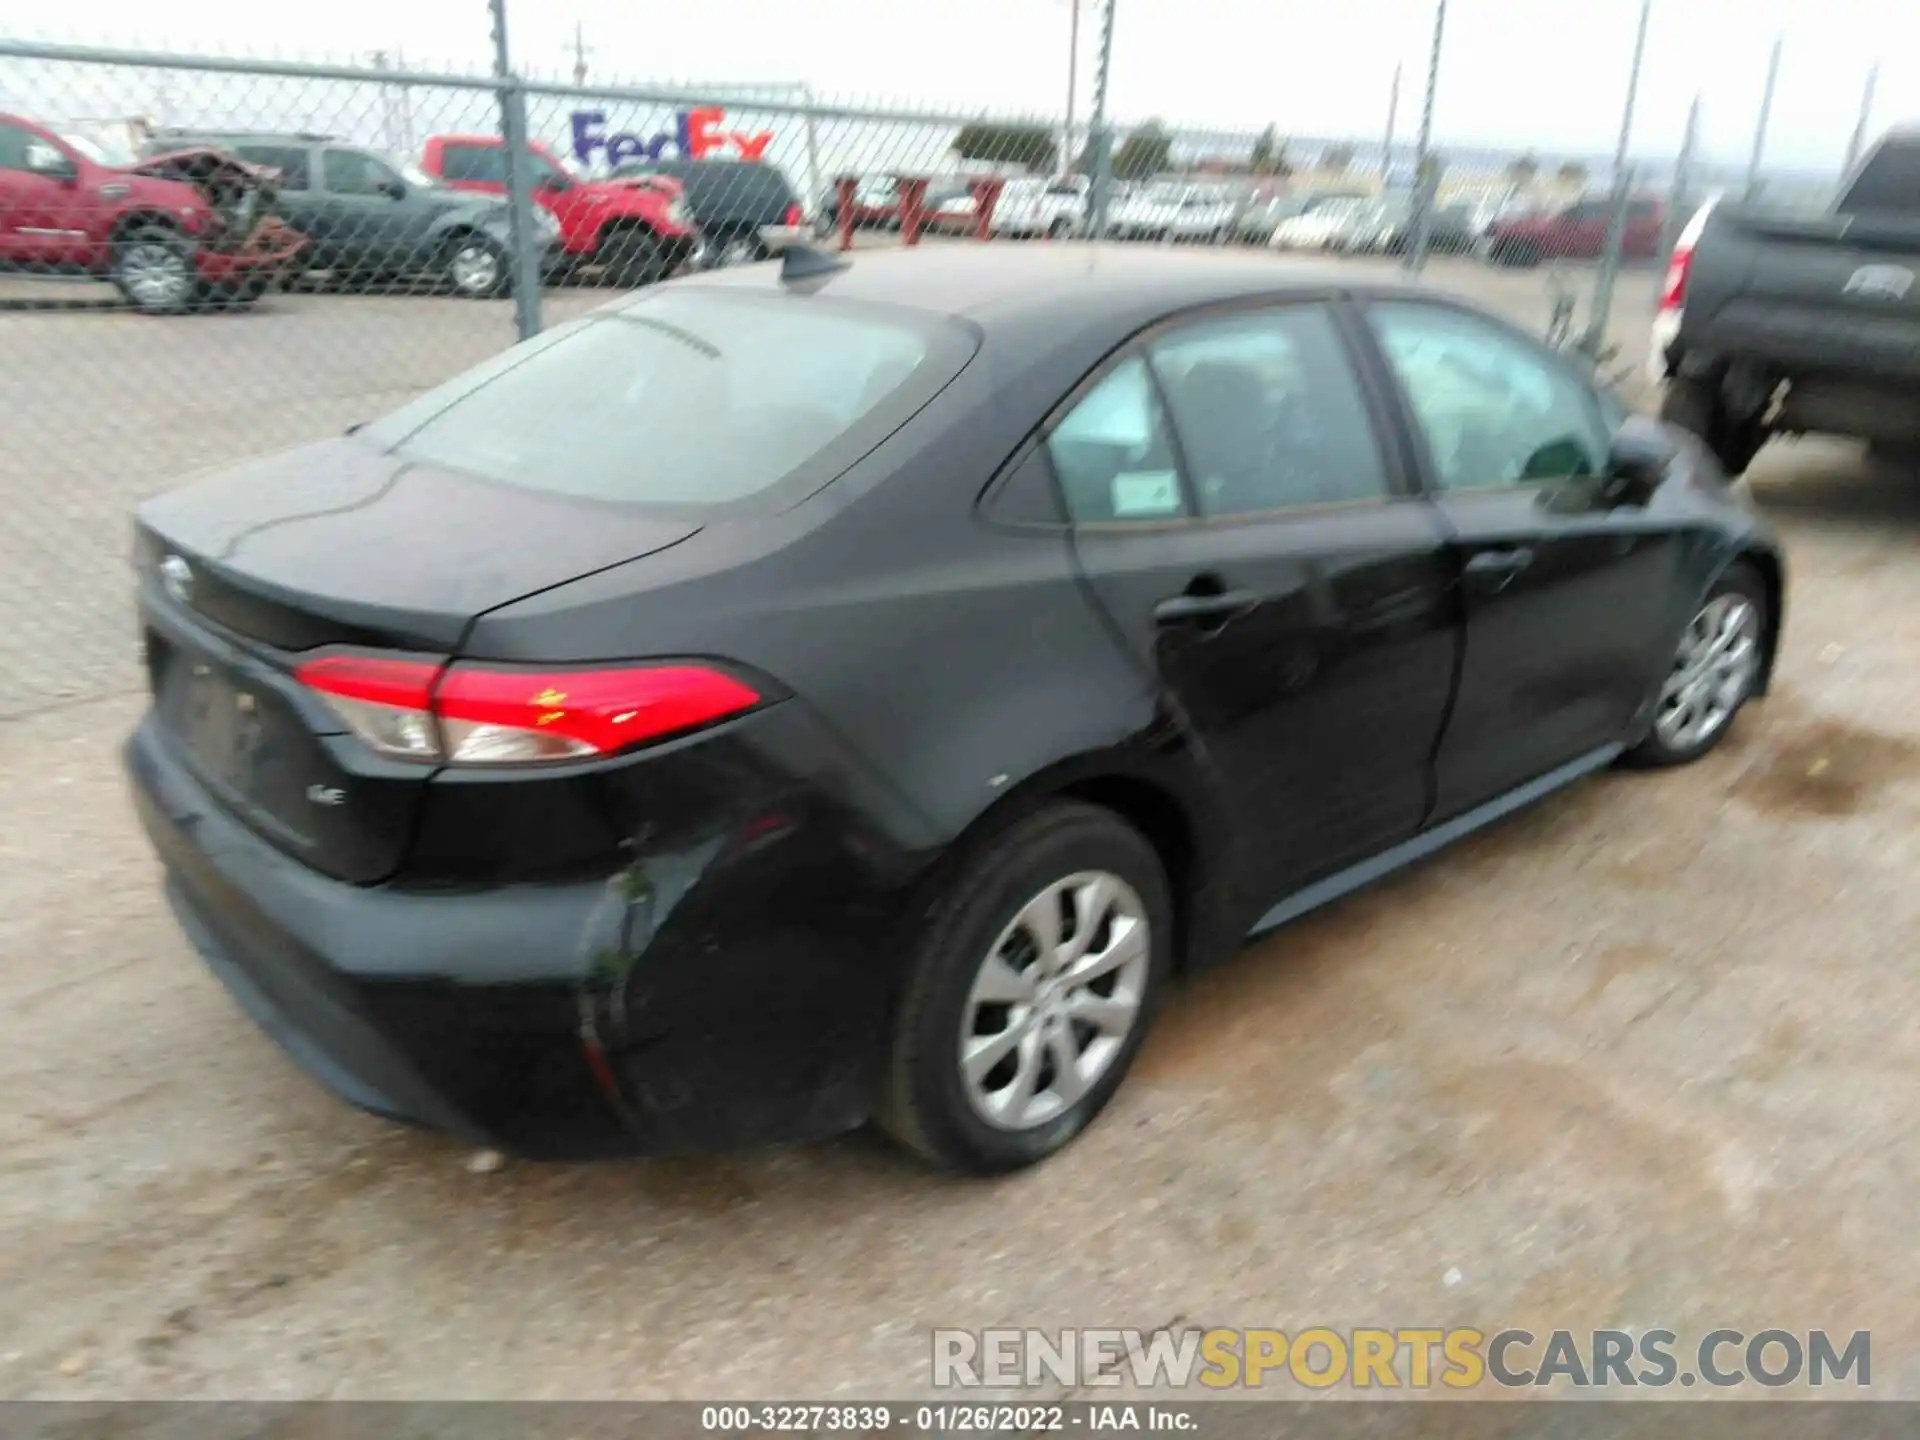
(696, 134)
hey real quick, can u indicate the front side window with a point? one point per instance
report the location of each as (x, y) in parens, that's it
(687, 398)
(348, 172)
(1494, 409)
(1269, 412)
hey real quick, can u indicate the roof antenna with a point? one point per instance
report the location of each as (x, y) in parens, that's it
(805, 262)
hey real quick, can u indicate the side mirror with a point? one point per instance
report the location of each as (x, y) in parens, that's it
(393, 189)
(52, 164)
(1641, 454)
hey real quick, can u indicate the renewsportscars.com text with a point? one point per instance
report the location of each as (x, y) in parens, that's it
(1460, 1358)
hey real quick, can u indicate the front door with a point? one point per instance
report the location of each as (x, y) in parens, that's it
(374, 221)
(1564, 596)
(1263, 558)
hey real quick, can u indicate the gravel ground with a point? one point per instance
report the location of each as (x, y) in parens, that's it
(1648, 1054)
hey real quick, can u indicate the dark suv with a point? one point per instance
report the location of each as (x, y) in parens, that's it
(745, 210)
(369, 218)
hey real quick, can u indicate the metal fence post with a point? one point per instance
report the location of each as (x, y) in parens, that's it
(1680, 196)
(1858, 141)
(1423, 193)
(1100, 131)
(513, 130)
(1601, 308)
(1760, 127)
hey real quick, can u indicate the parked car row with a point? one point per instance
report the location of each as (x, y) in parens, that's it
(1351, 221)
(191, 217)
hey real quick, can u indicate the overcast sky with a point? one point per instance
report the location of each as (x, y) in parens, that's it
(1515, 72)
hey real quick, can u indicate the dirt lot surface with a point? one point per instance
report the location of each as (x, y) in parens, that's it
(1648, 1054)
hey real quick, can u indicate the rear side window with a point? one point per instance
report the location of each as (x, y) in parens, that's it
(1889, 181)
(1113, 452)
(290, 160)
(688, 398)
(483, 163)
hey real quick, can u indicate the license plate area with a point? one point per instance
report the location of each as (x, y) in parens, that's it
(241, 738)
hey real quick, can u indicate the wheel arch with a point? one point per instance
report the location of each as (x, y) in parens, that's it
(1187, 841)
(1765, 562)
(136, 220)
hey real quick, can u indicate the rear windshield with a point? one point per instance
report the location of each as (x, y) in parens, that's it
(1889, 181)
(689, 398)
(722, 184)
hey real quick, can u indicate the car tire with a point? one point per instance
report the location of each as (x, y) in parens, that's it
(1694, 406)
(475, 267)
(1060, 229)
(977, 940)
(152, 268)
(632, 257)
(1716, 668)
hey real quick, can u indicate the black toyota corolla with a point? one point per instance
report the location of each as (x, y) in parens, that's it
(822, 691)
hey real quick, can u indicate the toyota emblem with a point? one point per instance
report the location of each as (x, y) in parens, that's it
(177, 576)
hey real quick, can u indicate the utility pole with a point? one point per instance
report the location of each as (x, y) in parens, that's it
(1602, 304)
(580, 53)
(1073, 75)
(1760, 129)
(1423, 193)
(1393, 118)
(1859, 141)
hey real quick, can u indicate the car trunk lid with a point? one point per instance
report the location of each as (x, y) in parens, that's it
(246, 575)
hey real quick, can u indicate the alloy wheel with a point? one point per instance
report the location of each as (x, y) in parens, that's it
(1054, 1000)
(474, 269)
(1713, 670)
(155, 274)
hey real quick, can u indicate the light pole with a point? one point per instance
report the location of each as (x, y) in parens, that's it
(1073, 75)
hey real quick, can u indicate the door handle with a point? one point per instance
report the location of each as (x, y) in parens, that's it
(1497, 568)
(1192, 609)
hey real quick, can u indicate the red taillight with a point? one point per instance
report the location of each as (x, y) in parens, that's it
(1673, 292)
(467, 714)
(795, 216)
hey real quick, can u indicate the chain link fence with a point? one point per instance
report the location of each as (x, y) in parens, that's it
(207, 258)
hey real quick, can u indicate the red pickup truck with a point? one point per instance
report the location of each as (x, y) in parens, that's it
(180, 229)
(637, 230)
(1578, 232)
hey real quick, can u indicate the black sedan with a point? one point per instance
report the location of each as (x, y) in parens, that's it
(805, 694)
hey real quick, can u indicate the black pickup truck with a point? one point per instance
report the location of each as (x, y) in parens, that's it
(1773, 323)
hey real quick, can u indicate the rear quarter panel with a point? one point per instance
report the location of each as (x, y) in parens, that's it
(959, 659)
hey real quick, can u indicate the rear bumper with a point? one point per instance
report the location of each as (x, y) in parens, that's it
(679, 1005)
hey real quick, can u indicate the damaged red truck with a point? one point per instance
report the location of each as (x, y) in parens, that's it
(171, 233)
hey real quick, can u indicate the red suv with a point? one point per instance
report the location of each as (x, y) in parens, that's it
(1578, 232)
(194, 225)
(638, 230)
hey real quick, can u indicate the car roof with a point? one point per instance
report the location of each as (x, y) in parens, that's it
(992, 284)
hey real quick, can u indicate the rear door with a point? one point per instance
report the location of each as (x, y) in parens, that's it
(297, 204)
(1567, 599)
(1258, 547)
